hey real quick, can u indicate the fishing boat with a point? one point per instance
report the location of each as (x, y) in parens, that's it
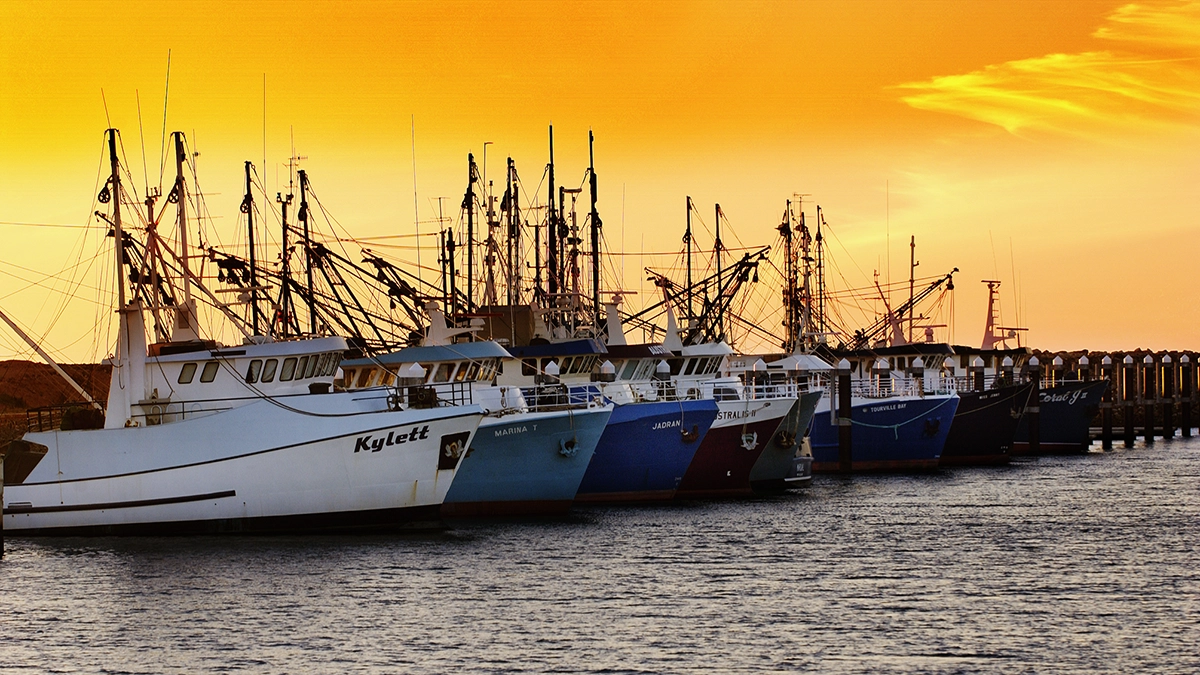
(654, 431)
(898, 423)
(531, 451)
(786, 461)
(199, 437)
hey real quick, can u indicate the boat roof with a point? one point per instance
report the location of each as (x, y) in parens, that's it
(707, 349)
(484, 349)
(570, 348)
(638, 351)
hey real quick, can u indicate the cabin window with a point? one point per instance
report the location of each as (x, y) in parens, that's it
(348, 377)
(376, 377)
(473, 372)
(268, 372)
(675, 364)
(312, 366)
(691, 366)
(630, 366)
(288, 370)
(529, 366)
(565, 366)
(253, 371)
(210, 371)
(188, 372)
(364, 376)
(461, 373)
(300, 366)
(725, 394)
(335, 360)
(443, 372)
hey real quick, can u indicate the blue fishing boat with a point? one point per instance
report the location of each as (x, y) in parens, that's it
(898, 433)
(652, 435)
(531, 452)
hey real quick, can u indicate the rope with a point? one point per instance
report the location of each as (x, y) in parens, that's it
(896, 427)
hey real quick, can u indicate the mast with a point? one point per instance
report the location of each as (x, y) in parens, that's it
(285, 290)
(551, 227)
(687, 238)
(912, 271)
(789, 273)
(184, 314)
(510, 211)
(820, 275)
(308, 258)
(114, 182)
(452, 301)
(248, 209)
(720, 283)
(469, 205)
(562, 237)
(595, 223)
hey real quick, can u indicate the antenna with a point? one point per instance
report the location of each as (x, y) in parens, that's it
(162, 151)
(412, 120)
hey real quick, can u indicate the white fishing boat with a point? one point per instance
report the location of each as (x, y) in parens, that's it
(202, 438)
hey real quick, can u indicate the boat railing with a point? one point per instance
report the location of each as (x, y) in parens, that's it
(774, 390)
(556, 397)
(64, 417)
(436, 395)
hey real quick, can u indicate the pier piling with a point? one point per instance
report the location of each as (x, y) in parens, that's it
(1148, 398)
(1168, 397)
(1035, 410)
(845, 458)
(2, 452)
(1128, 393)
(1085, 369)
(1106, 404)
(1185, 386)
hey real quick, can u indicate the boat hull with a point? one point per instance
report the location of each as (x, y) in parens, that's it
(526, 464)
(777, 462)
(984, 426)
(902, 434)
(1066, 412)
(642, 455)
(740, 433)
(315, 464)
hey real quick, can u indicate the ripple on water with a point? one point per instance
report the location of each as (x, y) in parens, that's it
(1072, 564)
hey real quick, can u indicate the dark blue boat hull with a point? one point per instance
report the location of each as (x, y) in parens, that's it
(646, 450)
(1066, 417)
(985, 425)
(886, 435)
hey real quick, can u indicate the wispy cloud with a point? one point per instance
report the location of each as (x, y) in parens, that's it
(1151, 83)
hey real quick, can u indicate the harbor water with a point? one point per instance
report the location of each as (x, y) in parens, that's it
(1076, 564)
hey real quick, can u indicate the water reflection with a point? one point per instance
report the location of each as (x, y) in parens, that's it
(1073, 564)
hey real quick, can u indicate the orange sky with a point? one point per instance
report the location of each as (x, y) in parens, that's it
(1056, 138)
